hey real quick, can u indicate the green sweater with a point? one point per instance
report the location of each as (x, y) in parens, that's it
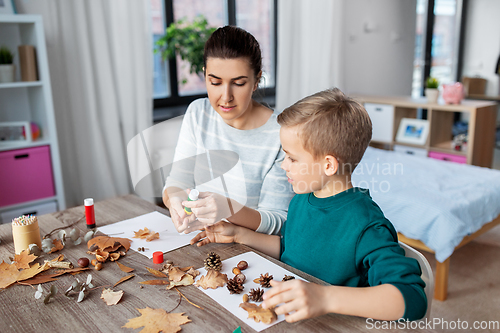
(346, 240)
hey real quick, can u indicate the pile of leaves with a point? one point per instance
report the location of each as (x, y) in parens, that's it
(20, 270)
(175, 276)
(105, 247)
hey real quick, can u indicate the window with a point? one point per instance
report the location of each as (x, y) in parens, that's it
(438, 42)
(256, 16)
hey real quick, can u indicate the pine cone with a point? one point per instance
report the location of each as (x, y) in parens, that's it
(256, 294)
(288, 277)
(234, 286)
(265, 280)
(213, 262)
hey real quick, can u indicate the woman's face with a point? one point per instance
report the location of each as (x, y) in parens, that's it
(230, 84)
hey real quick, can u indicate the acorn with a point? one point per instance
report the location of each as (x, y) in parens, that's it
(83, 262)
(236, 271)
(98, 266)
(242, 265)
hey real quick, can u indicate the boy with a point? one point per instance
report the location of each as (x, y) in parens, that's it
(334, 231)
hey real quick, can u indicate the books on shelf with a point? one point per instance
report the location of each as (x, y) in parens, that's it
(27, 61)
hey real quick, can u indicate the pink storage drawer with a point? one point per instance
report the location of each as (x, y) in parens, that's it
(448, 157)
(25, 175)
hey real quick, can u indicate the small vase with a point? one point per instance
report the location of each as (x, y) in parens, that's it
(7, 73)
(432, 95)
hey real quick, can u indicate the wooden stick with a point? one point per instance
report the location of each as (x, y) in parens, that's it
(199, 307)
(59, 264)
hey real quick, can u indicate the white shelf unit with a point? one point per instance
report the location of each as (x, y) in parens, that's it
(31, 102)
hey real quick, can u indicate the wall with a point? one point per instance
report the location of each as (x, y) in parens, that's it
(379, 46)
(482, 42)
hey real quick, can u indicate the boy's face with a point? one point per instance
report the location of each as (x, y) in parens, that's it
(303, 171)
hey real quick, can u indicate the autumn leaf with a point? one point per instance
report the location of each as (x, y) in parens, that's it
(125, 268)
(156, 272)
(23, 259)
(8, 274)
(175, 274)
(258, 313)
(146, 234)
(123, 279)
(193, 272)
(157, 320)
(214, 279)
(155, 282)
(58, 245)
(187, 280)
(111, 297)
(104, 242)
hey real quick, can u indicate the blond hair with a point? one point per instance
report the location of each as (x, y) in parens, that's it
(331, 124)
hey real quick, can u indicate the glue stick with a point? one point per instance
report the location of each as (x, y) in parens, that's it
(193, 196)
(89, 213)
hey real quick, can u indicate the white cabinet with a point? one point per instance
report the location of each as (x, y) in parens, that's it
(382, 117)
(29, 102)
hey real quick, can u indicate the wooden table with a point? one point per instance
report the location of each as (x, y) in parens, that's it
(21, 312)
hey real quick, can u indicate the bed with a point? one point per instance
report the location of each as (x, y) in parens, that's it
(435, 206)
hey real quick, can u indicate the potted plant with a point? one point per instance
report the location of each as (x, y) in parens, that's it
(431, 90)
(7, 68)
(186, 39)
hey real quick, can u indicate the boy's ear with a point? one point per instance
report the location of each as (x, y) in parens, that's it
(331, 165)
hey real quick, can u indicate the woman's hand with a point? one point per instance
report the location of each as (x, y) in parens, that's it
(221, 232)
(301, 299)
(211, 207)
(179, 217)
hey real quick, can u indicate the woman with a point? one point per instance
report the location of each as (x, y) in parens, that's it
(229, 122)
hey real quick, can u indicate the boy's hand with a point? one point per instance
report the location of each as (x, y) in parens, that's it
(302, 299)
(221, 232)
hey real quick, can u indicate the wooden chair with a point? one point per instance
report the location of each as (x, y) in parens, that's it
(427, 274)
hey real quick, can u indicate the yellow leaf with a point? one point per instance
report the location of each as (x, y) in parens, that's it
(125, 278)
(125, 268)
(258, 313)
(8, 275)
(157, 320)
(156, 272)
(155, 282)
(23, 259)
(214, 279)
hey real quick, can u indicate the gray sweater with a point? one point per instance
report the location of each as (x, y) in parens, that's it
(243, 165)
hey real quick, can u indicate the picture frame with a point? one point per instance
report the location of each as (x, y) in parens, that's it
(7, 7)
(15, 131)
(413, 131)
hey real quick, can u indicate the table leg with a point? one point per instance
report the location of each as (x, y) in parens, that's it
(441, 280)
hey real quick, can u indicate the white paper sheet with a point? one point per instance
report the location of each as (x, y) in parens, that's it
(169, 240)
(256, 265)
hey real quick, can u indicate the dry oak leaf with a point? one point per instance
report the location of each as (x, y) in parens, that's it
(103, 242)
(187, 280)
(157, 320)
(258, 313)
(58, 245)
(123, 279)
(175, 274)
(111, 297)
(23, 259)
(125, 268)
(193, 272)
(146, 234)
(155, 282)
(214, 279)
(156, 272)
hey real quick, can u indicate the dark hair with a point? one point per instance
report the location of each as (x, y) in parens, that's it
(331, 124)
(231, 42)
